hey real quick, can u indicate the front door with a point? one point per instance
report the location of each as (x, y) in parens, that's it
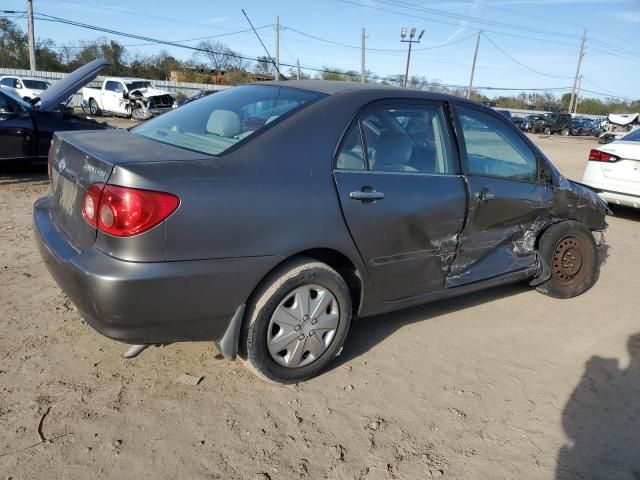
(402, 197)
(507, 198)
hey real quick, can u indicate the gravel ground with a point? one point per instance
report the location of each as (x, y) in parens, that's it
(502, 384)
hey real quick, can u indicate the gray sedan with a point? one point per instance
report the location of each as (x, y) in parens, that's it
(266, 217)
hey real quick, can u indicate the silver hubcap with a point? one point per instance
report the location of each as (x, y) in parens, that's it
(303, 326)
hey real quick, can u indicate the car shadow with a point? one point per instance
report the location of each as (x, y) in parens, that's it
(602, 421)
(365, 333)
(626, 213)
(12, 174)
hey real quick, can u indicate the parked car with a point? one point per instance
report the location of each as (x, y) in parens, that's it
(269, 215)
(130, 97)
(505, 113)
(527, 123)
(614, 170)
(581, 127)
(551, 123)
(26, 129)
(26, 88)
(197, 96)
(517, 121)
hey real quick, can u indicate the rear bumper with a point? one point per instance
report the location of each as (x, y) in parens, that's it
(617, 198)
(146, 303)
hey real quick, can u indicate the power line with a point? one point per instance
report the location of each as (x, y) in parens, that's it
(519, 62)
(356, 47)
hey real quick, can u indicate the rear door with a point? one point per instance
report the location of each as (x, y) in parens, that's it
(507, 196)
(397, 175)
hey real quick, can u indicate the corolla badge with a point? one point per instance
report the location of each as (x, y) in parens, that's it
(94, 170)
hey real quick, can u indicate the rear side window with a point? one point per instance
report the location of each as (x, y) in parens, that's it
(407, 138)
(350, 155)
(494, 149)
(215, 123)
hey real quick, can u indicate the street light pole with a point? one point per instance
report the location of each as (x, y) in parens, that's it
(403, 35)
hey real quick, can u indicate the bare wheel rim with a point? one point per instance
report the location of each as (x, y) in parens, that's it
(303, 326)
(568, 259)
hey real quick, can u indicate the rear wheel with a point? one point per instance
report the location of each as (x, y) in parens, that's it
(570, 251)
(565, 132)
(547, 131)
(94, 109)
(296, 322)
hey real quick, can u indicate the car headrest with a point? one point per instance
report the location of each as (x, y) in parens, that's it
(224, 123)
(393, 148)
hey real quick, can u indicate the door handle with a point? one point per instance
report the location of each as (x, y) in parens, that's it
(366, 195)
(484, 195)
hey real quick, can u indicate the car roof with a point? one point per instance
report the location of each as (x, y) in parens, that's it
(332, 87)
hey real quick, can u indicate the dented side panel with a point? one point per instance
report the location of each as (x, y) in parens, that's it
(501, 233)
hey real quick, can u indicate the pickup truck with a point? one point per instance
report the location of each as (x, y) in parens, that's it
(130, 97)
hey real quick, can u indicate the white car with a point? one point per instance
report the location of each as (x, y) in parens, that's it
(26, 88)
(614, 169)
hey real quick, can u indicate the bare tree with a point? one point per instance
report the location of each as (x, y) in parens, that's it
(218, 55)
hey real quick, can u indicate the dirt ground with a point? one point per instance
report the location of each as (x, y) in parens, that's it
(504, 384)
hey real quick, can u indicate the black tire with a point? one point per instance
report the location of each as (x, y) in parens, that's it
(565, 132)
(276, 287)
(547, 131)
(94, 109)
(572, 255)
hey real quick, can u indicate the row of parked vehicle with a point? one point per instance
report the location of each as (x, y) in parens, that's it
(556, 123)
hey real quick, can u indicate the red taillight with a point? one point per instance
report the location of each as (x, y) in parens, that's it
(599, 156)
(90, 202)
(124, 211)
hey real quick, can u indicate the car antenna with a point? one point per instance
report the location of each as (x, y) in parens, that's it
(263, 46)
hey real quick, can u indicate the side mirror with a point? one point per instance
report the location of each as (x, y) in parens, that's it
(18, 86)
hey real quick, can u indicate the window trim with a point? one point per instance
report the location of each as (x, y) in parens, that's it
(540, 164)
(448, 127)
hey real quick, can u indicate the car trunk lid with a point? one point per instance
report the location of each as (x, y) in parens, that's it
(628, 167)
(80, 159)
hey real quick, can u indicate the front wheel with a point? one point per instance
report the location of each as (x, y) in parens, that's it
(565, 132)
(296, 322)
(547, 131)
(571, 252)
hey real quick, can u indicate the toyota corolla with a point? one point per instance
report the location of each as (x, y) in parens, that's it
(266, 217)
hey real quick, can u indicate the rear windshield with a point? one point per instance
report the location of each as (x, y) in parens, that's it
(216, 123)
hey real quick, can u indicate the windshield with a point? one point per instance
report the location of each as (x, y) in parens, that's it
(217, 122)
(140, 84)
(633, 136)
(36, 84)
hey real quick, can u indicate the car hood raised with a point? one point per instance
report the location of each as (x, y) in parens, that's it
(56, 94)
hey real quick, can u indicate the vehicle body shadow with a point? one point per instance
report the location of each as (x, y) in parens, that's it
(626, 213)
(602, 420)
(15, 173)
(365, 333)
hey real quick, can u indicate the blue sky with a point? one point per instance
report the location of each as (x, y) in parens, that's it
(543, 35)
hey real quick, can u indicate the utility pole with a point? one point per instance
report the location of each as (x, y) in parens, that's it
(575, 80)
(575, 106)
(278, 47)
(362, 48)
(32, 42)
(298, 72)
(403, 35)
(473, 65)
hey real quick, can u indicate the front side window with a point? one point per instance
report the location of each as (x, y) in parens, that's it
(494, 149)
(111, 86)
(407, 138)
(214, 124)
(37, 84)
